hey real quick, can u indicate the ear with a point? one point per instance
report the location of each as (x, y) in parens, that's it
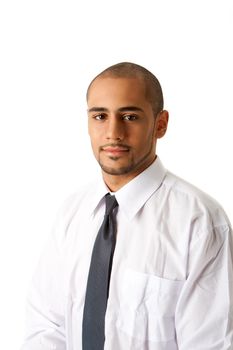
(161, 124)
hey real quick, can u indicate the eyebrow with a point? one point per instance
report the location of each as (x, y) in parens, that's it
(121, 109)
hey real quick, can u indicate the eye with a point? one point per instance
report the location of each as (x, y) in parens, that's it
(99, 117)
(129, 117)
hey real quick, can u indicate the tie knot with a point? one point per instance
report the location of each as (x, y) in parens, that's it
(111, 203)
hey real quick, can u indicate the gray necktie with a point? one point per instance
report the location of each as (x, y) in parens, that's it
(98, 281)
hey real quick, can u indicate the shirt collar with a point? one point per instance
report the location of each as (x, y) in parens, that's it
(97, 191)
(132, 196)
(135, 193)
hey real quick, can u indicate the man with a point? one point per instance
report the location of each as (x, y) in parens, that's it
(158, 272)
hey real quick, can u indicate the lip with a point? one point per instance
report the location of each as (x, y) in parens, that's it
(115, 150)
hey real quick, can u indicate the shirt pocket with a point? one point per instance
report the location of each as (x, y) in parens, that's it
(147, 306)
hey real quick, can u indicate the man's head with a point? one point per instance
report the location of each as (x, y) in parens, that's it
(125, 119)
(153, 90)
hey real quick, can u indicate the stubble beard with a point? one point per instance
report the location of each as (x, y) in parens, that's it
(132, 166)
(117, 171)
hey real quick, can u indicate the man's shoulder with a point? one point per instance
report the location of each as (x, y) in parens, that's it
(188, 195)
(76, 203)
(186, 188)
(83, 192)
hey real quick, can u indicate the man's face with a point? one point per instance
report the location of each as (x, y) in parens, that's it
(122, 126)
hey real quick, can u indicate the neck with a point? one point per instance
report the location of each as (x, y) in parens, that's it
(115, 182)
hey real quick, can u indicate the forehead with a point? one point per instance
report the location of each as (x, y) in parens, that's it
(111, 88)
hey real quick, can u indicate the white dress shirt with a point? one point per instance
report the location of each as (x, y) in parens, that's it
(172, 275)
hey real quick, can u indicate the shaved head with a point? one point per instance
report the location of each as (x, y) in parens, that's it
(153, 90)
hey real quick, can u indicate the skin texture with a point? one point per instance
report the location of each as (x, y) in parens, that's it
(123, 128)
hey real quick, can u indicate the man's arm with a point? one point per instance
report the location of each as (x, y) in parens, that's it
(204, 316)
(45, 321)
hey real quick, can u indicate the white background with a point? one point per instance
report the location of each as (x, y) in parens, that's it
(50, 50)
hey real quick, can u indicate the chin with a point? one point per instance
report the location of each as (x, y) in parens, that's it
(116, 170)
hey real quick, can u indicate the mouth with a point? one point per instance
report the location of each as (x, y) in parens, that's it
(115, 150)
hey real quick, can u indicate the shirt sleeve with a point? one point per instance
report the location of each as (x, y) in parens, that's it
(45, 315)
(204, 313)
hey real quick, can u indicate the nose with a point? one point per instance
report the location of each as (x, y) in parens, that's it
(115, 129)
